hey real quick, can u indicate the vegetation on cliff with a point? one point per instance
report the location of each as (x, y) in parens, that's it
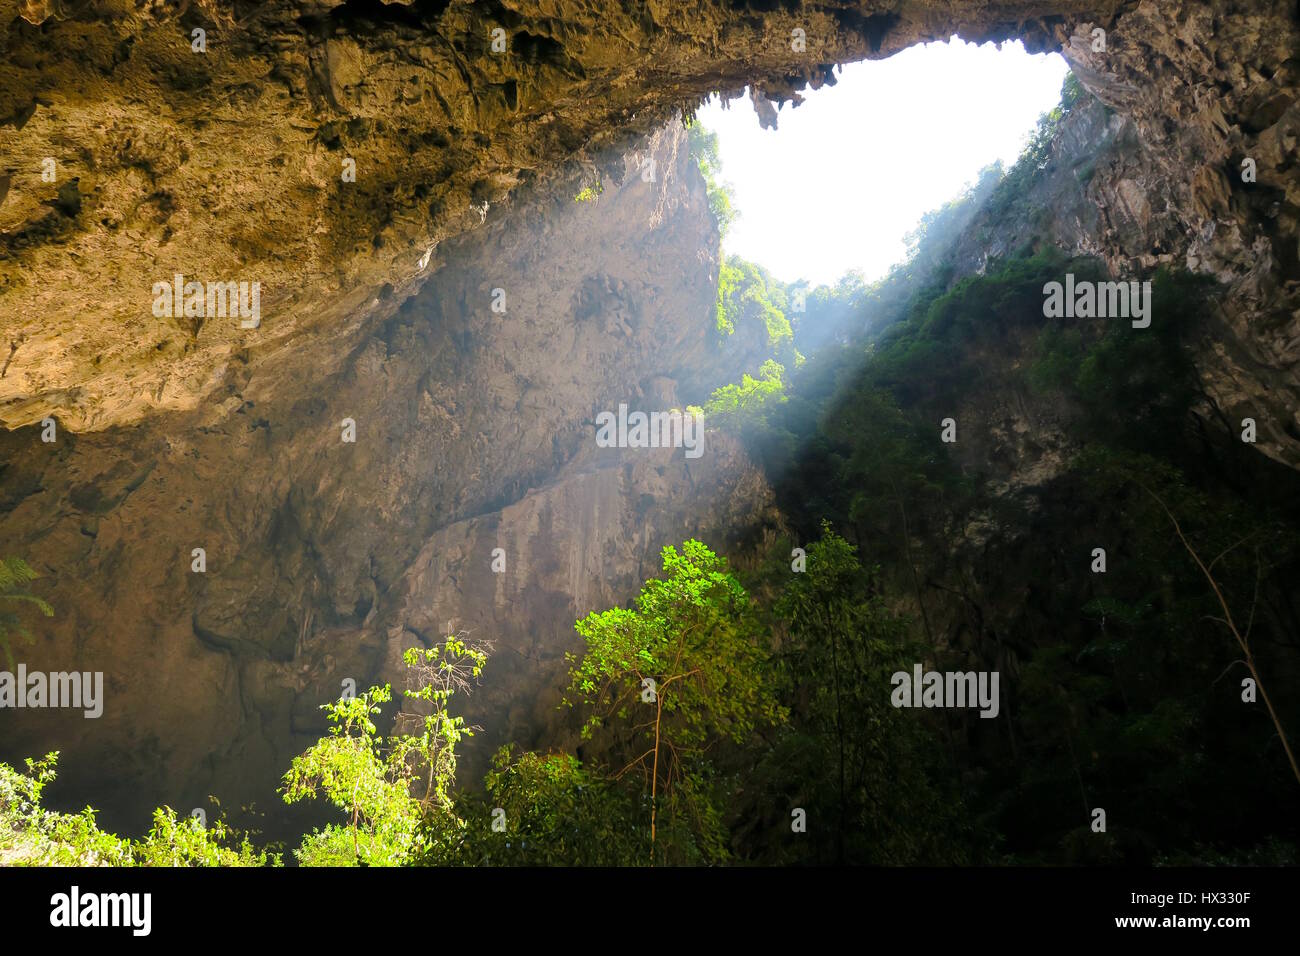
(1129, 690)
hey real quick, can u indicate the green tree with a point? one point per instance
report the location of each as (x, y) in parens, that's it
(682, 670)
(733, 405)
(436, 674)
(372, 779)
(351, 770)
(869, 774)
(557, 813)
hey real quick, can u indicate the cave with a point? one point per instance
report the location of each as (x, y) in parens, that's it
(473, 301)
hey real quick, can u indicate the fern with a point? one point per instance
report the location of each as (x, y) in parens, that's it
(15, 575)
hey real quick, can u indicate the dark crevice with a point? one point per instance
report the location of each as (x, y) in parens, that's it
(357, 15)
(874, 27)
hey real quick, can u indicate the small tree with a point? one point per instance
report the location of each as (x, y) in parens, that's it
(351, 770)
(435, 674)
(686, 668)
(372, 779)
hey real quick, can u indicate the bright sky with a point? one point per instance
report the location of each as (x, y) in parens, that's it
(850, 171)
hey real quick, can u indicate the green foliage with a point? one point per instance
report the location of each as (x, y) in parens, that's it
(1059, 351)
(557, 813)
(372, 779)
(693, 634)
(703, 145)
(1125, 688)
(747, 293)
(1008, 199)
(752, 301)
(15, 575)
(350, 769)
(731, 405)
(439, 671)
(1148, 373)
(590, 193)
(1071, 90)
(868, 774)
(33, 836)
(729, 278)
(173, 842)
(856, 438)
(1139, 700)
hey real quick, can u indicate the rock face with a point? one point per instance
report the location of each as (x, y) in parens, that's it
(324, 559)
(1138, 179)
(1193, 163)
(585, 542)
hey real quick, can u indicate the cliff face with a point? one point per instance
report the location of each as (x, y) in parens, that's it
(474, 430)
(1002, 580)
(1191, 92)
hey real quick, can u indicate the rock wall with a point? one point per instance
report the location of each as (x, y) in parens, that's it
(1192, 92)
(1139, 178)
(228, 164)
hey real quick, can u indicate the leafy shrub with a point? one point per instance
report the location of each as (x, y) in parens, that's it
(33, 836)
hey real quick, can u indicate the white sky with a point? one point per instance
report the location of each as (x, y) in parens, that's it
(850, 171)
